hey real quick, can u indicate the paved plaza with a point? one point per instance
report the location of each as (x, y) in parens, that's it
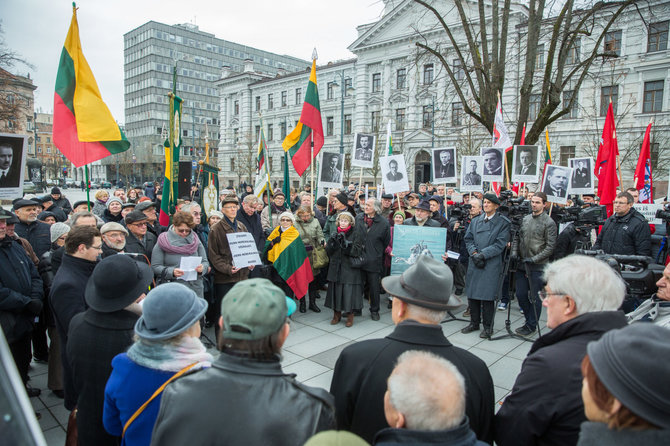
(313, 347)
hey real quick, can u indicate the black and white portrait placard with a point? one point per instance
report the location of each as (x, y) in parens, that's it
(444, 165)
(581, 181)
(394, 174)
(13, 150)
(525, 165)
(556, 182)
(472, 168)
(330, 174)
(362, 154)
(493, 164)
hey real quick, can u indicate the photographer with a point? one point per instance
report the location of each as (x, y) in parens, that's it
(626, 231)
(657, 308)
(460, 222)
(537, 238)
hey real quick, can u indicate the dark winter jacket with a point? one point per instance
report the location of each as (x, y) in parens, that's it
(598, 434)
(145, 246)
(629, 235)
(94, 339)
(37, 233)
(67, 300)
(20, 285)
(537, 238)
(64, 204)
(219, 255)
(545, 406)
(253, 225)
(377, 238)
(429, 223)
(490, 239)
(460, 435)
(107, 217)
(341, 250)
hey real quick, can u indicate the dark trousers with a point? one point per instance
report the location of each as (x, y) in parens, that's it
(524, 287)
(39, 338)
(372, 282)
(481, 309)
(505, 290)
(21, 353)
(221, 290)
(458, 271)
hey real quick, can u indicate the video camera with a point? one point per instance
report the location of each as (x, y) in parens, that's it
(514, 208)
(582, 217)
(664, 214)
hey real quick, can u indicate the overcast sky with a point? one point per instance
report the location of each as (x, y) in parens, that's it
(36, 29)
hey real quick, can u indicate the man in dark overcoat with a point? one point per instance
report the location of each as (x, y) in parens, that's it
(359, 379)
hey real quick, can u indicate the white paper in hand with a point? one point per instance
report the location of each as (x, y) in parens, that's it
(188, 265)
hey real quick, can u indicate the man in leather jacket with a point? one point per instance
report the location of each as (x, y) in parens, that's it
(626, 231)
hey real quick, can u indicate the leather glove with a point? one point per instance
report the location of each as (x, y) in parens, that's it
(479, 260)
(34, 306)
(273, 242)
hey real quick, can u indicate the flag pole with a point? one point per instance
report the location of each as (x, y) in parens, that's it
(311, 170)
(88, 186)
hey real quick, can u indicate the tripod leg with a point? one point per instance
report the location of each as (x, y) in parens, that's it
(532, 297)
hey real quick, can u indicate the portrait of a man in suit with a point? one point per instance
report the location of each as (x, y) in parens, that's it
(445, 168)
(330, 172)
(472, 178)
(556, 184)
(581, 177)
(364, 148)
(9, 166)
(526, 165)
(492, 162)
(393, 174)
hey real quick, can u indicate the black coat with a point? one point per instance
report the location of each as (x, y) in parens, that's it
(93, 340)
(145, 247)
(341, 254)
(20, 284)
(67, 300)
(377, 238)
(64, 204)
(460, 435)
(108, 216)
(629, 235)
(253, 224)
(545, 406)
(359, 379)
(38, 235)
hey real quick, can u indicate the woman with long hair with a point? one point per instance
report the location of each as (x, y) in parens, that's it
(101, 197)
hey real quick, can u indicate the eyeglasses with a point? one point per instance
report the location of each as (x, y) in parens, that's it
(543, 294)
(285, 219)
(97, 248)
(182, 231)
(139, 224)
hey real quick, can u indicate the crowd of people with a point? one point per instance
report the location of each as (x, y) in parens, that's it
(97, 290)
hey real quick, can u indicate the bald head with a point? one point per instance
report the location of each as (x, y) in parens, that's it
(425, 392)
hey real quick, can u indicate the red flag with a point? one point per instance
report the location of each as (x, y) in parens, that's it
(605, 168)
(517, 186)
(500, 138)
(643, 179)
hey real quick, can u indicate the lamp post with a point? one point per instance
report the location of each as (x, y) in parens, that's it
(343, 92)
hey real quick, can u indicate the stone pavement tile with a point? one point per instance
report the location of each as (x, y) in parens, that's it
(323, 380)
(296, 325)
(37, 403)
(60, 413)
(311, 318)
(465, 340)
(47, 421)
(500, 395)
(38, 381)
(378, 334)
(317, 345)
(289, 358)
(501, 346)
(303, 335)
(488, 357)
(361, 327)
(54, 436)
(329, 357)
(521, 351)
(504, 372)
(305, 369)
(453, 327)
(49, 399)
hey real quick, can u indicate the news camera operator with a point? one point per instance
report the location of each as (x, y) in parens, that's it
(537, 239)
(461, 217)
(626, 231)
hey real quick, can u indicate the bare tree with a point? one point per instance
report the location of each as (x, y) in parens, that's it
(483, 57)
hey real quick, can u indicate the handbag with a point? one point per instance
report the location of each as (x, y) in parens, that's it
(319, 257)
(357, 262)
(156, 393)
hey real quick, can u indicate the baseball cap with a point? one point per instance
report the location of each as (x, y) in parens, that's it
(254, 309)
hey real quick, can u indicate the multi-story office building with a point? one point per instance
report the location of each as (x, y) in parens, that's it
(150, 53)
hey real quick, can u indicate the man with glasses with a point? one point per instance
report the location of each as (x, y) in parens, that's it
(545, 407)
(139, 240)
(626, 231)
(83, 246)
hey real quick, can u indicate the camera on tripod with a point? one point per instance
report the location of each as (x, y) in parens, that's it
(664, 214)
(582, 217)
(514, 208)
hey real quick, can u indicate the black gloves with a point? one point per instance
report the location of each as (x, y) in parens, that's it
(479, 260)
(34, 306)
(273, 242)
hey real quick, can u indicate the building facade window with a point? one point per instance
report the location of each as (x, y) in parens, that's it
(457, 69)
(257, 131)
(573, 53)
(376, 82)
(298, 96)
(534, 106)
(427, 116)
(347, 124)
(258, 103)
(655, 151)
(539, 57)
(330, 90)
(282, 130)
(653, 97)
(456, 114)
(270, 132)
(330, 125)
(567, 96)
(236, 108)
(400, 119)
(348, 85)
(284, 96)
(607, 94)
(612, 42)
(375, 118)
(566, 152)
(270, 103)
(232, 164)
(401, 78)
(658, 37)
(428, 73)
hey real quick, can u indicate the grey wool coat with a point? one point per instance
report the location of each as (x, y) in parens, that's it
(165, 263)
(489, 238)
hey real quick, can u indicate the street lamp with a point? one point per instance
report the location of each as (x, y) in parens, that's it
(343, 92)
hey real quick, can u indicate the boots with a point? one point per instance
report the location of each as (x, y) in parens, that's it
(337, 316)
(350, 319)
(312, 303)
(303, 305)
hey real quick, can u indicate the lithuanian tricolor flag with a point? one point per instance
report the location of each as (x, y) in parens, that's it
(84, 129)
(298, 143)
(289, 258)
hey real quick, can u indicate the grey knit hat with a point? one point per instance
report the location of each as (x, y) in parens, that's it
(112, 200)
(632, 363)
(58, 229)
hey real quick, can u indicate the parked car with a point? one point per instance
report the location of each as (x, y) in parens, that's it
(106, 185)
(94, 184)
(29, 188)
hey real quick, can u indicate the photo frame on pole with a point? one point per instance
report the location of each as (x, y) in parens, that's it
(472, 168)
(13, 152)
(493, 159)
(444, 165)
(556, 182)
(394, 174)
(526, 164)
(362, 152)
(331, 171)
(581, 181)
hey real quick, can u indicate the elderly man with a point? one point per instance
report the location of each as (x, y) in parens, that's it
(656, 309)
(248, 371)
(626, 231)
(415, 412)
(48, 205)
(545, 407)
(252, 221)
(113, 238)
(377, 237)
(270, 215)
(139, 240)
(422, 215)
(485, 240)
(148, 208)
(36, 232)
(421, 298)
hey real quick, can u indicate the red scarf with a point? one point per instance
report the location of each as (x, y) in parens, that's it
(339, 229)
